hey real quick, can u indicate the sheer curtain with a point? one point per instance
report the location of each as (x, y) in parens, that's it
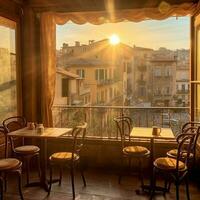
(48, 38)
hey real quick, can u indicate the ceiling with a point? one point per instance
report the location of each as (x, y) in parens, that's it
(94, 5)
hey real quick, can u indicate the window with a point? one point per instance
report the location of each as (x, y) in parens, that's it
(65, 87)
(81, 73)
(8, 72)
(111, 93)
(101, 74)
(157, 72)
(146, 74)
(183, 87)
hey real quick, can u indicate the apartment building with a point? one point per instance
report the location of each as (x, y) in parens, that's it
(103, 69)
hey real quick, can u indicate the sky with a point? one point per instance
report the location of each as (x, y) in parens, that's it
(172, 33)
(7, 38)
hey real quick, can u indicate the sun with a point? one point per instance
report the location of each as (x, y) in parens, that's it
(114, 39)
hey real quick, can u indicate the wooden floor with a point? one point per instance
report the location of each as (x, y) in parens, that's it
(101, 185)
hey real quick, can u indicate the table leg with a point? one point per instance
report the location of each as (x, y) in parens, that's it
(150, 186)
(43, 158)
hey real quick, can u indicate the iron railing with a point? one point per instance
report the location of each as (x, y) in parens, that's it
(100, 118)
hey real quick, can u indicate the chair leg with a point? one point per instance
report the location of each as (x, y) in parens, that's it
(50, 180)
(38, 166)
(61, 172)
(72, 180)
(153, 184)
(27, 170)
(20, 184)
(177, 191)
(169, 186)
(165, 186)
(120, 173)
(1, 187)
(187, 187)
(141, 173)
(5, 182)
(82, 175)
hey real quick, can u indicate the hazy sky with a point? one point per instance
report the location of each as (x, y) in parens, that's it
(171, 33)
(7, 38)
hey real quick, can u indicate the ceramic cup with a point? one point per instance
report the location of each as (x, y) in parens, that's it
(40, 128)
(156, 130)
(31, 125)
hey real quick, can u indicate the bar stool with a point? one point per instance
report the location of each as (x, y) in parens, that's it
(69, 159)
(130, 152)
(9, 165)
(24, 152)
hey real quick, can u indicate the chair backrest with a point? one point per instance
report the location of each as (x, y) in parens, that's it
(78, 133)
(3, 132)
(190, 130)
(185, 146)
(124, 128)
(190, 124)
(14, 123)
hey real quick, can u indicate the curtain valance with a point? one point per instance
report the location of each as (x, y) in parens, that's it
(164, 11)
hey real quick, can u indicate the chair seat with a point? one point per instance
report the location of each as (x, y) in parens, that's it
(27, 149)
(63, 157)
(135, 150)
(9, 163)
(166, 163)
(174, 152)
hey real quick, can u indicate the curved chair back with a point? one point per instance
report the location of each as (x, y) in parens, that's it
(190, 124)
(14, 123)
(3, 132)
(185, 146)
(124, 128)
(78, 133)
(127, 128)
(188, 130)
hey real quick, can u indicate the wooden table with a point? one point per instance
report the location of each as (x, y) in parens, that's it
(146, 133)
(48, 133)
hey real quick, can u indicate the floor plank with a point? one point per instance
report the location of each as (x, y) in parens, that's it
(101, 185)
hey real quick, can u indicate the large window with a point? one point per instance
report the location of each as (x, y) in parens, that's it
(142, 68)
(8, 89)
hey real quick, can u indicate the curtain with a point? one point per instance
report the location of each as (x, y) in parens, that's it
(48, 38)
(48, 66)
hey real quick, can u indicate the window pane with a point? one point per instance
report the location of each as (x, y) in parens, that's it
(198, 54)
(144, 72)
(8, 93)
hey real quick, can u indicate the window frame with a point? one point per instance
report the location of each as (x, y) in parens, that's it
(18, 44)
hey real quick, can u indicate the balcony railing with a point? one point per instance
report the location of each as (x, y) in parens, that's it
(106, 82)
(100, 118)
(183, 91)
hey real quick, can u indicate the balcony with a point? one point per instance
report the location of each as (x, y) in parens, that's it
(142, 68)
(100, 118)
(84, 90)
(183, 92)
(141, 82)
(106, 82)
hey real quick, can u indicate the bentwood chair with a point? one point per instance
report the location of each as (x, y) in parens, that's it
(69, 159)
(130, 152)
(24, 152)
(129, 120)
(187, 128)
(175, 169)
(9, 165)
